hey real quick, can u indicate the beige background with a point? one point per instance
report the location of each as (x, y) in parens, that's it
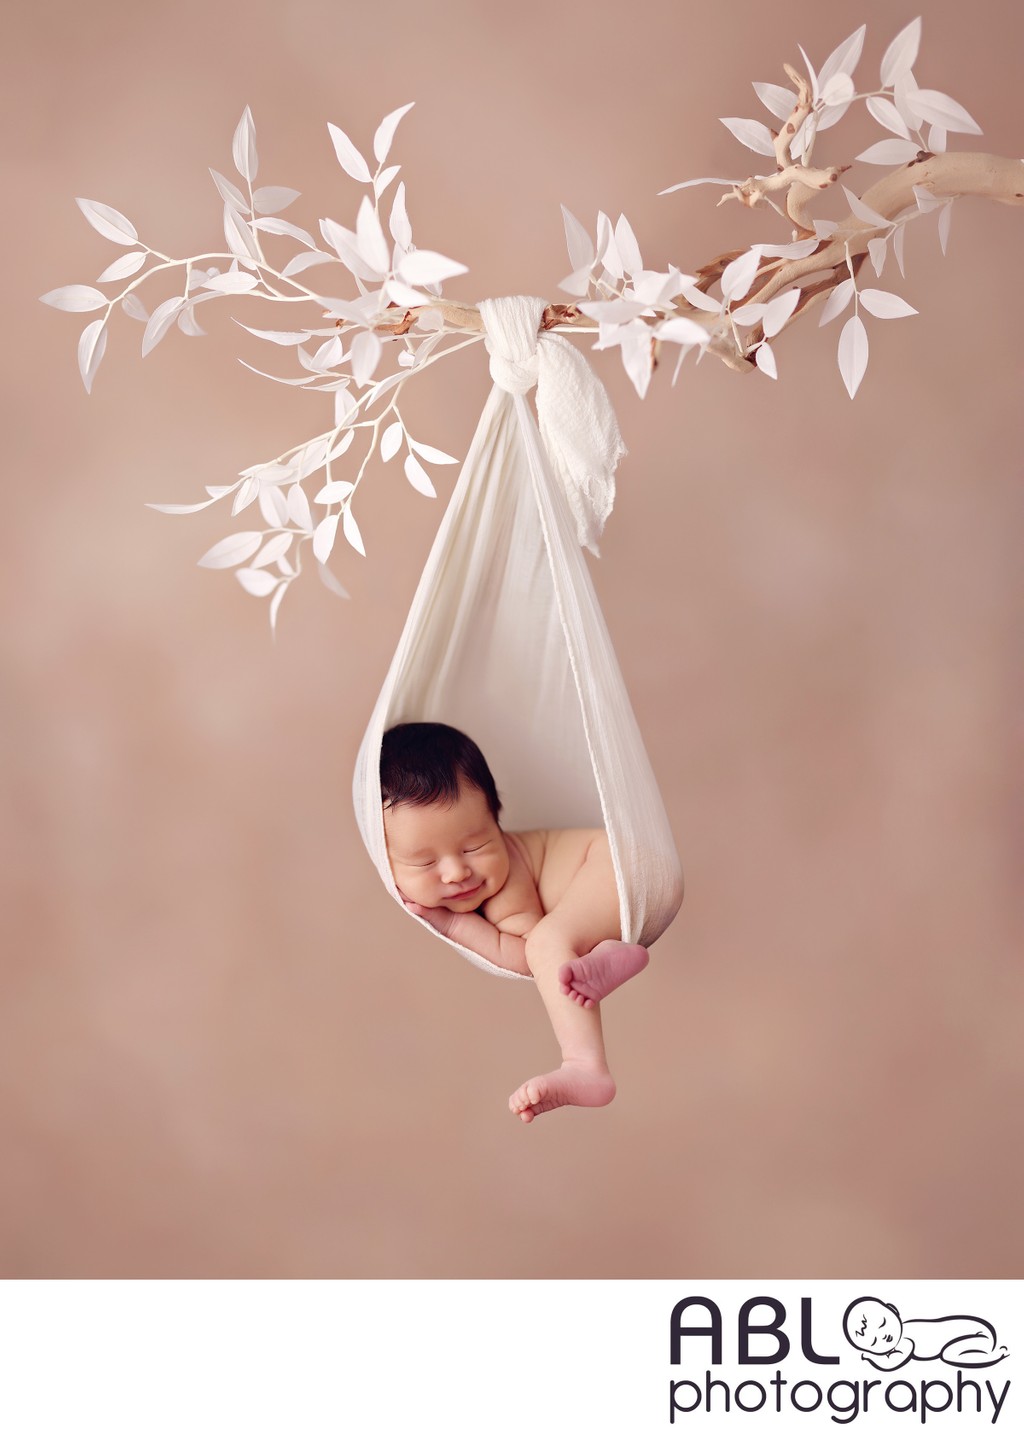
(224, 1052)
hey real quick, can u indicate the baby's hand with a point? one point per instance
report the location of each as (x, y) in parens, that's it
(443, 919)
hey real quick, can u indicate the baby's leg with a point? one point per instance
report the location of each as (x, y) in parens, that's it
(586, 915)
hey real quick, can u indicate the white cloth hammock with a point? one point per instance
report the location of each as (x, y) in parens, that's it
(505, 638)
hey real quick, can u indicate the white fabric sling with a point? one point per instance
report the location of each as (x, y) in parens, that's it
(505, 639)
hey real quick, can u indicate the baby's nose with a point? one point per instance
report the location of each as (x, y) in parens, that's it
(456, 870)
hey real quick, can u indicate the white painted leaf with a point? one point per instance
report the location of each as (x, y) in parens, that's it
(229, 193)
(277, 378)
(425, 266)
(638, 356)
(430, 454)
(311, 457)
(887, 115)
(889, 152)
(346, 245)
(401, 229)
(234, 282)
(843, 60)
(779, 310)
(365, 356)
(270, 199)
(578, 242)
(748, 314)
(243, 146)
(577, 284)
(897, 247)
(273, 506)
(612, 311)
(349, 158)
(700, 300)
(385, 177)
(405, 295)
(774, 98)
(853, 353)
(925, 200)
(838, 91)
(863, 211)
(235, 549)
(824, 229)
(336, 492)
(275, 604)
(815, 89)
(160, 322)
(77, 298)
(343, 444)
(182, 508)
(330, 582)
(837, 301)
(799, 249)
(187, 322)
(286, 567)
(276, 336)
(681, 330)
(877, 249)
(418, 477)
(764, 358)
(351, 531)
(884, 305)
(752, 133)
(238, 235)
(386, 132)
(627, 246)
(825, 119)
(92, 344)
(945, 219)
(298, 508)
(686, 184)
(901, 53)
(110, 223)
(391, 440)
(133, 306)
(305, 261)
(344, 406)
(126, 265)
(324, 536)
(939, 109)
(936, 142)
(373, 246)
(272, 550)
(248, 491)
(903, 90)
(738, 276)
(257, 582)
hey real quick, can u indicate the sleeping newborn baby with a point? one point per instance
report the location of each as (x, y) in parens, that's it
(541, 903)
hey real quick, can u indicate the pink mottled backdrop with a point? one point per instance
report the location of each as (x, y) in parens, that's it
(223, 1051)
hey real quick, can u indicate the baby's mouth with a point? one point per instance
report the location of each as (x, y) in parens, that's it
(467, 892)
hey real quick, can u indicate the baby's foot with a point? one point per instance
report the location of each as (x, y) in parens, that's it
(580, 1085)
(588, 979)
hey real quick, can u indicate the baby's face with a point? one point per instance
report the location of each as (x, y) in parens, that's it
(447, 855)
(873, 1326)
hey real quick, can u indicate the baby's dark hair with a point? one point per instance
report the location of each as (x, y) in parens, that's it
(425, 763)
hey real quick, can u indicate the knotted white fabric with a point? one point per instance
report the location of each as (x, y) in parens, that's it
(577, 422)
(506, 641)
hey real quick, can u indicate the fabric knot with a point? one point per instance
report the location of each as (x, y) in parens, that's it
(511, 328)
(577, 423)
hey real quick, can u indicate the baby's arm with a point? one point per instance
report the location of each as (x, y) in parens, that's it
(516, 907)
(895, 1357)
(473, 931)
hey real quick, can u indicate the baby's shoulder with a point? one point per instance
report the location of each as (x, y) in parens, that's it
(554, 846)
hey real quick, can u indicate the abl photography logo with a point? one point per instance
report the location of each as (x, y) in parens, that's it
(946, 1363)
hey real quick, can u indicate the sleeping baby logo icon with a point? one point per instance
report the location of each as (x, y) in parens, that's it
(888, 1341)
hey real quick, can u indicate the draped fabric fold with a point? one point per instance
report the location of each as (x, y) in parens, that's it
(505, 638)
